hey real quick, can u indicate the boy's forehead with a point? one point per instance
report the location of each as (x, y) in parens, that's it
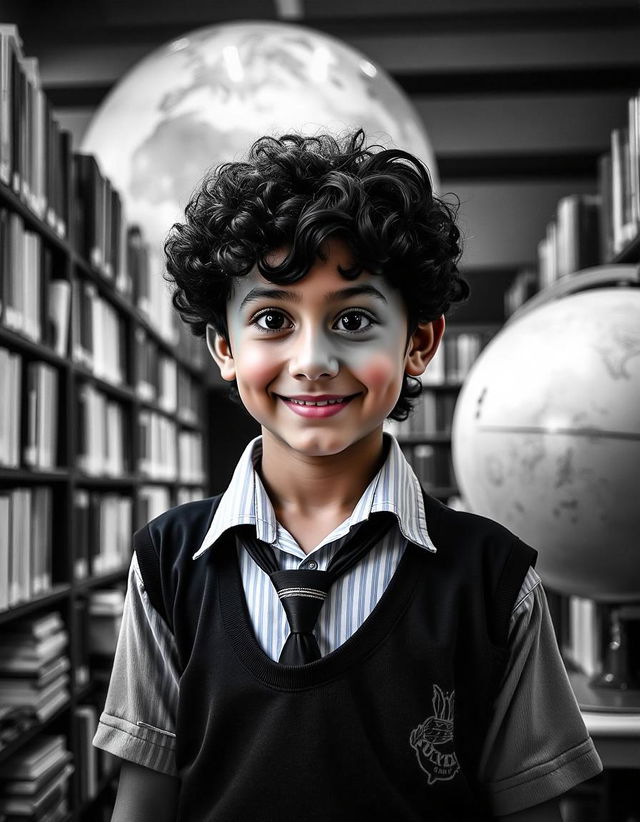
(323, 280)
(319, 284)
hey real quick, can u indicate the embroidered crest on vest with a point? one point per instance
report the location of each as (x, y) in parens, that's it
(432, 740)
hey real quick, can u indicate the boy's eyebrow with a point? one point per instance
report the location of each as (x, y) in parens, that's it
(290, 296)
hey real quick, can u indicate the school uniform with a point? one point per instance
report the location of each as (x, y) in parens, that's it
(377, 724)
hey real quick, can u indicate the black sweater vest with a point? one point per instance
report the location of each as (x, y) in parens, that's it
(390, 725)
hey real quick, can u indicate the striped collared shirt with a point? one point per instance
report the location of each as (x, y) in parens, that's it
(353, 596)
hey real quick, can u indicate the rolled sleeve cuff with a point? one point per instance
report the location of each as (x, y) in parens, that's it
(151, 747)
(546, 781)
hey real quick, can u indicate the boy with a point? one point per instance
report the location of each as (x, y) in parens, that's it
(324, 641)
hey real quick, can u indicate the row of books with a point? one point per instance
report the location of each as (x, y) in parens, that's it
(23, 265)
(25, 544)
(102, 433)
(619, 181)
(432, 465)
(34, 665)
(155, 499)
(572, 241)
(34, 152)
(37, 163)
(165, 452)
(190, 461)
(455, 355)
(100, 226)
(35, 446)
(590, 229)
(98, 334)
(10, 410)
(35, 781)
(432, 414)
(160, 380)
(102, 529)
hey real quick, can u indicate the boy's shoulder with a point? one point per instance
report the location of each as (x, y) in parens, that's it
(448, 524)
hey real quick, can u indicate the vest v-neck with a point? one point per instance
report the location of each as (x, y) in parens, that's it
(236, 619)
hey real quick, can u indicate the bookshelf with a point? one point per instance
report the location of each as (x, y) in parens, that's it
(101, 428)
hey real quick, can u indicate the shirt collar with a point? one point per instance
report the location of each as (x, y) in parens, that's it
(394, 488)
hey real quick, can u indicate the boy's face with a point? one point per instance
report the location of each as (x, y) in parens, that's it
(313, 339)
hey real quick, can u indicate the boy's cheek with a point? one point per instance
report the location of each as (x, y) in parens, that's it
(378, 372)
(256, 371)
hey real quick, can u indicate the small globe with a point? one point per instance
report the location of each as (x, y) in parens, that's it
(546, 439)
(203, 99)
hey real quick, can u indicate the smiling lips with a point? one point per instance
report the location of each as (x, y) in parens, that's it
(317, 405)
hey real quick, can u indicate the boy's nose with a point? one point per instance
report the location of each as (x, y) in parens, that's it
(313, 356)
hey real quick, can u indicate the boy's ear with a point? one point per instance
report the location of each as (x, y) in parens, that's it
(220, 350)
(423, 345)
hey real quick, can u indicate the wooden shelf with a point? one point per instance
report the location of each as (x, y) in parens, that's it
(57, 595)
(102, 579)
(22, 475)
(15, 340)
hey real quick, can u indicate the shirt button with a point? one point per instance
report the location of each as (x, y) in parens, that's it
(311, 565)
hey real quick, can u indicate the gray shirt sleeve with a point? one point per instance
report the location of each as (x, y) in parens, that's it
(138, 721)
(537, 746)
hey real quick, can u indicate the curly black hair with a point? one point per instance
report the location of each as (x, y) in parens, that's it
(296, 191)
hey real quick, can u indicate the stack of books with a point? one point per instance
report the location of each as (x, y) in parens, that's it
(34, 673)
(34, 782)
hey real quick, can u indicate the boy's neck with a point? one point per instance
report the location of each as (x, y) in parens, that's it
(328, 486)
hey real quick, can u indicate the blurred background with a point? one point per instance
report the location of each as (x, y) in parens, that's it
(525, 111)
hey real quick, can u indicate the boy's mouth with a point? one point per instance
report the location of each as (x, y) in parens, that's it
(323, 405)
(319, 401)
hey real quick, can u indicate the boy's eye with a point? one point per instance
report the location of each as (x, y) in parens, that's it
(351, 321)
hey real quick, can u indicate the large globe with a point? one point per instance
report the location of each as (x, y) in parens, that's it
(204, 98)
(546, 439)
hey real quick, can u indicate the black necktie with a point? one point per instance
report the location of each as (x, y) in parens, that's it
(302, 592)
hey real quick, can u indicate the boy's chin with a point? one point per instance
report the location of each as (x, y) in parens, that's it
(320, 443)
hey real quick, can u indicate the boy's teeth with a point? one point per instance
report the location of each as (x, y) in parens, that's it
(307, 402)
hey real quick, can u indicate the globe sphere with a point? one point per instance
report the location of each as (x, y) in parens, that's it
(204, 98)
(546, 439)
